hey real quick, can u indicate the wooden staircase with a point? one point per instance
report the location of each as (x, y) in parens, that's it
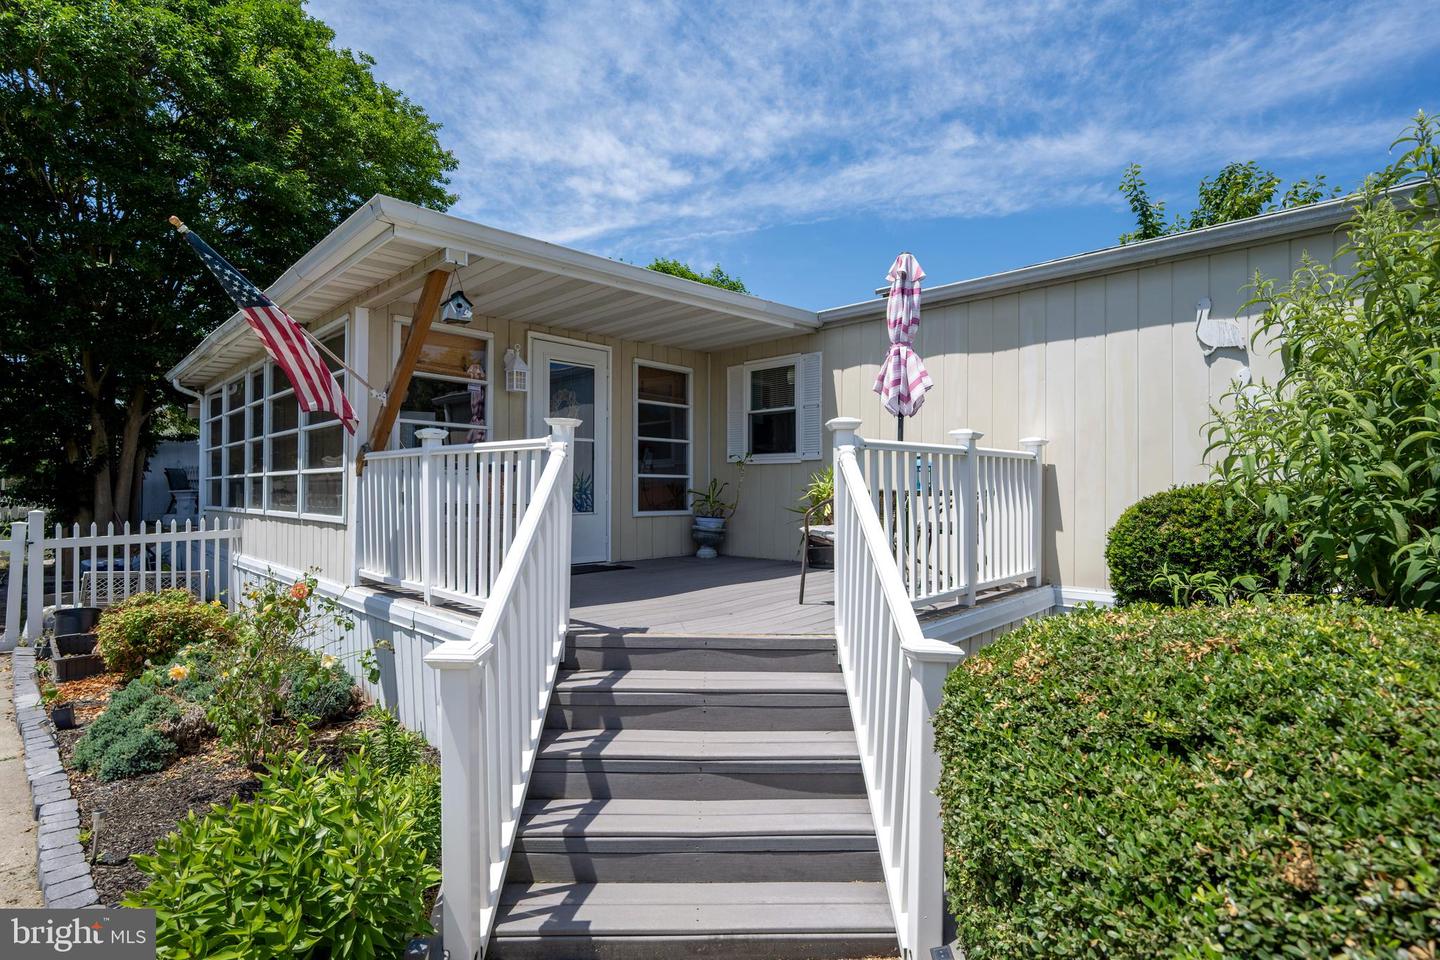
(696, 796)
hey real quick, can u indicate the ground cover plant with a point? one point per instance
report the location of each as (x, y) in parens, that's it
(1256, 780)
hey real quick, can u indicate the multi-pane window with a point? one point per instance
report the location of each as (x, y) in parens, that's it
(771, 409)
(263, 454)
(450, 388)
(662, 439)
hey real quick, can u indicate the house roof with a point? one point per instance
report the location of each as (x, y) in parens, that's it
(1237, 233)
(379, 255)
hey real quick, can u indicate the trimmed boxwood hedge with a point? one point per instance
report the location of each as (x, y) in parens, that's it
(1261, 780)
(1184, 530)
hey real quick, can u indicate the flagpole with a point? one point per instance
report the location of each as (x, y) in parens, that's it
(380, 395)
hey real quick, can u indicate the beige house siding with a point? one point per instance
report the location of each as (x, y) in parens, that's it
(1106, 367)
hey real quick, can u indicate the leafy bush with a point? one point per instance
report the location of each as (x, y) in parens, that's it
(149, 628)
(123, 741)
(1251, 781)
(1184, 531)
(323, 862)
(317, 689)
(1343, 452)
(392, 749)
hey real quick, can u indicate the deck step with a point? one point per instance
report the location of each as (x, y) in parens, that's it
(631, 841)
(697, 764)
(699, 700)
(645, 651)
(640, 921)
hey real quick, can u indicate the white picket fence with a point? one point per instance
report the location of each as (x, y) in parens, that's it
(958, 519)
(917, 523)
(439, 520)
(494, 692)
(99, 568)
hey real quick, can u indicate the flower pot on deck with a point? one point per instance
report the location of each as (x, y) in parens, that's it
(709, 533)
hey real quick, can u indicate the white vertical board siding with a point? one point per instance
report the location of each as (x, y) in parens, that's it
(1106, 367)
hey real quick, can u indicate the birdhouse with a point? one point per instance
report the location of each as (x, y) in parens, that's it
(456, 309)
(517, 373)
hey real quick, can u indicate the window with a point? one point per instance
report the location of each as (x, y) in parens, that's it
(450, 387)
(774, 409)
(262, 454)
(662, 439)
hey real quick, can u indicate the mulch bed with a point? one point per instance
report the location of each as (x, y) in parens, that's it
(133, 814)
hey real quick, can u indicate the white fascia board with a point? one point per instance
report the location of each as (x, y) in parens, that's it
(418, 224)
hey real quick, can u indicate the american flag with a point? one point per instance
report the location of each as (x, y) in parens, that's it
(288, 345)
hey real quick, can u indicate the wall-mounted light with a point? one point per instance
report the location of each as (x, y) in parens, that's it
(517, 373)
(456, 309)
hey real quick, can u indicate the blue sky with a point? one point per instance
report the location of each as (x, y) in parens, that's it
(803, 145)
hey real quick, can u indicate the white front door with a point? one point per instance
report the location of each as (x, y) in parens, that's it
(571, 380)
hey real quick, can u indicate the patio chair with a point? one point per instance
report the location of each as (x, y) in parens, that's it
(814, 534)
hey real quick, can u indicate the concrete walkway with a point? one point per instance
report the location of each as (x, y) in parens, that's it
(19, 886)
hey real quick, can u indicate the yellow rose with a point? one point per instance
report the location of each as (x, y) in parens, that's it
(179, 672)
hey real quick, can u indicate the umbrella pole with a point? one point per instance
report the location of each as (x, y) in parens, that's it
(900, 427)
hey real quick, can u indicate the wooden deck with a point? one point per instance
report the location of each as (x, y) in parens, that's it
(727, 595)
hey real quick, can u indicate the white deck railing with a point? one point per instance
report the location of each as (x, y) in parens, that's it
(440, 519)
(100, 567)
(918, 523)
(494, 693)
(958, 519)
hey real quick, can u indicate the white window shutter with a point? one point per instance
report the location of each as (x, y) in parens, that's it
(735, 446)
(809, 396)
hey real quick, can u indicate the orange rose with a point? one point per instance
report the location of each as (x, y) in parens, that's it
(300, 591)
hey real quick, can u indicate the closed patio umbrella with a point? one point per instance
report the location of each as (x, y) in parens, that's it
(903, 380)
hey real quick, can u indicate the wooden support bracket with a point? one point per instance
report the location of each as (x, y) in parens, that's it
(425, 312)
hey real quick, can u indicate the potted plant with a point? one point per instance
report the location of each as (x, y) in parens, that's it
(710, 510)
(817, 507)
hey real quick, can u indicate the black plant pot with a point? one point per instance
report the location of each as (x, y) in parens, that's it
(76, 620)
(74, 644)
(63, 716)
(820, 555)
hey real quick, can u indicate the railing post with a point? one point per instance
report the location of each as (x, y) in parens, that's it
(430, 439)
(465, 853)
(970, 507)
(35, 576)
(14, 589)
(1036, 447)
(925, 855)
(843, 441)
(562, 437)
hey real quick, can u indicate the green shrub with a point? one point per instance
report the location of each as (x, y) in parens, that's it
(387, 743)
(317, 689)
(322, 863)
(122, 742)
(149, 628)
(1251, 781)
(1184, 531)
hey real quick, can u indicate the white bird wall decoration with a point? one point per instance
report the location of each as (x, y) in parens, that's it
(1214, 334)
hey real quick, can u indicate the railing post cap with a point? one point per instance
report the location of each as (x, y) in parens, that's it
(838, 424)
(431, 436)
(966, 435)
(562, 429)
(1034, 442)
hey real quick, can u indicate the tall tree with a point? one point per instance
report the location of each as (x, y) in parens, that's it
(1238, 191)
(716, 277)
(242, 118)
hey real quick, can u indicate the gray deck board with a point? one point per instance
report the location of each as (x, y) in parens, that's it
(683, 595)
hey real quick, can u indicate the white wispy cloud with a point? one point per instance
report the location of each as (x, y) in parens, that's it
(618, 125)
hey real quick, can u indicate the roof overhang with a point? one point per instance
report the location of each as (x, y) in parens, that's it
(380, 254)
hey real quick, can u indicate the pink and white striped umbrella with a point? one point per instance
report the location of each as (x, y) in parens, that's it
(903, 380)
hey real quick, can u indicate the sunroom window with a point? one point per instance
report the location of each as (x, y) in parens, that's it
(662, 439)
(450, 388)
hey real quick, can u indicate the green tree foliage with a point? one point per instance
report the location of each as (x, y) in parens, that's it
(1239, 190)
(1343, 452)
(237, 115)
(1252, 781)
(716, 277)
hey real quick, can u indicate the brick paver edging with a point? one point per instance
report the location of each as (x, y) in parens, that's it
(60, 859)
